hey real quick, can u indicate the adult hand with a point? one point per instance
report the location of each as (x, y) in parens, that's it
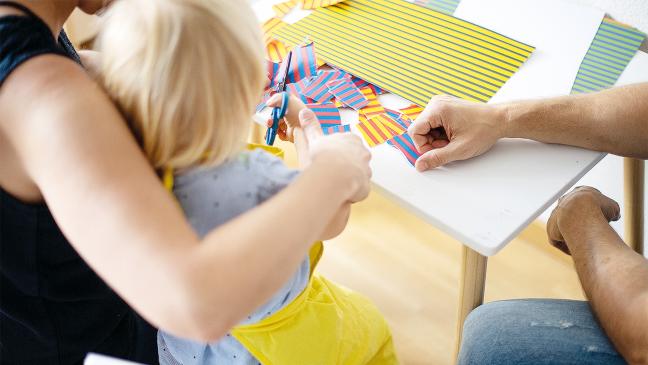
(576, 211)
(343, 155)
(451, 129)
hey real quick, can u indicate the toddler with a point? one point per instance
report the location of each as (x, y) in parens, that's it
(187, 75)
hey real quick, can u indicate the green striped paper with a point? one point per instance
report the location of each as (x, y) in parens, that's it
(444, 6)
(612, 49)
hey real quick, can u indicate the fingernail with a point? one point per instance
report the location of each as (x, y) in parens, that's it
(422, 166)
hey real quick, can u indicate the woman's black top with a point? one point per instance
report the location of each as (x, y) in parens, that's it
(53, 308)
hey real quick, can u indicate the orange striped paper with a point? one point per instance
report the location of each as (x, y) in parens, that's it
(284, 8)
(276, 51)
(375, 132)
(395, 127)
(374, 108)
(314, 4)
(412, 111)
(270, 27)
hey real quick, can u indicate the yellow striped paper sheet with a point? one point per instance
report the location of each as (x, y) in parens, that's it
(270, 27)
(314, 4)
(374, 107)
(410, 50)
(379, 129)
(284, 8)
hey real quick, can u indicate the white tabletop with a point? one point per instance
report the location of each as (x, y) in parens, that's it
(485, 202)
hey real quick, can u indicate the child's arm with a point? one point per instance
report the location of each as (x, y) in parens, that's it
(290, 130)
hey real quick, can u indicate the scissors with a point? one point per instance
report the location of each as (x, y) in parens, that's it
(280, 112)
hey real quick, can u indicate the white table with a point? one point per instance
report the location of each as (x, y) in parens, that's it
(487, 201)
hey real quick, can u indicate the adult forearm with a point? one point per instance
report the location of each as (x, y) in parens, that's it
(614, 278)
(614, 120)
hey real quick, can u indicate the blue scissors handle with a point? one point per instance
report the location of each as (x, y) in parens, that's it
(277, 114)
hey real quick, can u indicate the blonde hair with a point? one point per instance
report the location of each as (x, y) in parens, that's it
(186, 74)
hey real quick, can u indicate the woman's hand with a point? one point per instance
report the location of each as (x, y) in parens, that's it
(291, 120)
(576, 211)
(451, 129)
(343, 155)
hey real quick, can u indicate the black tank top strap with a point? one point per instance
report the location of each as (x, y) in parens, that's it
(27, 36)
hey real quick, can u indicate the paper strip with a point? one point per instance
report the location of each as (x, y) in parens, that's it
(276, 51)
(284, 8)
(373, 108)
(360, 83)
(303, 64)
(406, 146)
(401, 118)
(375, 132)
(270, 27)
(612, 49)
(337, 129)
(314, 4)
(444, 6)
(346, 92)
(317, 90)
(326, 113)
(410, 50)
(412, 111)
(394, 127)
(297, 89)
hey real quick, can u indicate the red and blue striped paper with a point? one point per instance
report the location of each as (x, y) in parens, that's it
(317, 90)
(336, 129)
(405, 145)
(346, 92)
(326, 113)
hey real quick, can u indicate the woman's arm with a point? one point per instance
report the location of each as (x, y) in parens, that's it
(111, 206)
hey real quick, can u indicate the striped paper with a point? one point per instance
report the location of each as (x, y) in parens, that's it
(270, 27)
(276, 51)
(444, 6)
(346, 92)
(612, 49)
(412, 111)
(337, 129)
(314, 4)
(360, 83)
(405, 145)
(317, 90)
(401, 118)
(409, 50)
(326, 113)
(394, 127)
(303, 63)
(284, 8)
(297, 89)
(373, 108)
(375, 132)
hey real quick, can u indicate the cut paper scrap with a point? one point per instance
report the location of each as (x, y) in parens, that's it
(401, 118)
(303, 63)
(613, 47)
(276, 51)
(360, 83)
(297, 89)
(405, 145)
(272, 70)
(317, 90)
(270, 27)
(394, 127)
(412, 51)
(373, 108)
(412, 111)
(337, 129)
(314, 4)
(284, 8)
(444, 6)
(346, 92)
(375, 132)
(326, 113)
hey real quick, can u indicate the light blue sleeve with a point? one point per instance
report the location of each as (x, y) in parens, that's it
(272, 174)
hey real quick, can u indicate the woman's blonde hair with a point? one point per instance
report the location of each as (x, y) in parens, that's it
(186, 74)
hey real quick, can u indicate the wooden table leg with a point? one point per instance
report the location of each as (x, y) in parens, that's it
(633, 171)
(472, 282)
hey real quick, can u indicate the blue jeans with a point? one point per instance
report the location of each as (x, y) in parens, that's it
(535, 331)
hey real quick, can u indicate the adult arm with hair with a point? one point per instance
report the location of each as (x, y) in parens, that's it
(78, 154)
(614, 121)
(613, 276)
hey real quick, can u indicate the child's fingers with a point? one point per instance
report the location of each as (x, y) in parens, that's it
(274, 101)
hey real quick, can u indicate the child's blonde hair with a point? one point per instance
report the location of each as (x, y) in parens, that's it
(186, 73)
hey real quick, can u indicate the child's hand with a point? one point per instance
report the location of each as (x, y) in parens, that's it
(291, 120)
